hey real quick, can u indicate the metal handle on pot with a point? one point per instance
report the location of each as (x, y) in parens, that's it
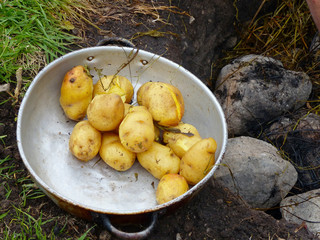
(115, 40)
(126, 235)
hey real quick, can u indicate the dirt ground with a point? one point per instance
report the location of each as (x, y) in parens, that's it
(214, 213)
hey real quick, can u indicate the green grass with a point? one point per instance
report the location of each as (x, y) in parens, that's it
(30, 227)
(32, 35)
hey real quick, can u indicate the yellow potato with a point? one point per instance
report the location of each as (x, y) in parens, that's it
(114, 84)
(163, 100)
(198, 160)
(105, 112)
(170, 187)
(159, 160)
(76, 93)
(85, 141)
(181, 138)
(136, 130)
(114, 153)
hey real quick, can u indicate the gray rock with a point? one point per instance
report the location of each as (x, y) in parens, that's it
(254, 89)
(303, 209)
(254, 170)
(299, 137)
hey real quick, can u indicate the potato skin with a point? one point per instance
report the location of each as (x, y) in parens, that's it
(114, 153)
(85, 141)
(198, 160)
(163, 100)
(114, 84)
(136, 130)
(76, 93)
(181, 138)
(159, 160)
(170, 187)
(106, 111)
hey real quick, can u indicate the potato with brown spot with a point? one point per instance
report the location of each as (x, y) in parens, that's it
(106, 111)
(159, 160)
(85, 141)
(198, 160)
(163, 100)
(170, 187)
(114, 153)
(136, 130)
(181, 138)
(76, 93)
(114, 84)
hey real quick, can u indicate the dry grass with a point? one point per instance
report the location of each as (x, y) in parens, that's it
(285, 34)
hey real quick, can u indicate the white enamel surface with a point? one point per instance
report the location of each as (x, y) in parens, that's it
(43, 132)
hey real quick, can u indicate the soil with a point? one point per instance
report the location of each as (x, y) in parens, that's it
(214, 213)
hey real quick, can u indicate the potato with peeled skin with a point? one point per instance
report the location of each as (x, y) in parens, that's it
(198, 160)
(85, 141)
(114, 153)
(181, 138)
(114, 84)
(106, 111)
(136, 130)
(163, 100)
(170, 187)
(159, 160)
(76, 93)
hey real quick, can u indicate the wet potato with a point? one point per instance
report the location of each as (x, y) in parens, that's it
(163, 100)
(114, 84)
(76, 93)
(136, 130)
(85, 141)
(170, 187)
(114, 153)
(159, 160)
(181, 138)
(106, 111)
(198, 160)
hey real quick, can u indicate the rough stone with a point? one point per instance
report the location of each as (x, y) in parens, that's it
(303, 209)
(254, 89)
(299, 137)
(255, 171)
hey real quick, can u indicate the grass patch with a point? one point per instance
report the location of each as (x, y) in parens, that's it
(33, 33)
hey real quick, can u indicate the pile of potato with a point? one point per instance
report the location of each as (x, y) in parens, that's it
(151, 132)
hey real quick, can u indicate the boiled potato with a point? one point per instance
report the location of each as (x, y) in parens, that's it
(76, 93)
(163, 100)
(198, 160)
(114, 84)
(136, 130)
(106, 111)
(159, 160)
(114, 153)
(170, 187)
(85, 141)
(181, 138)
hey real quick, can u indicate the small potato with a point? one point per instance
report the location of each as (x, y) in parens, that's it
(114, 84)
(136, 130)
(85, 141)
(76, 93)
(170, 187)
(198, 160)
(163, 100)
(159, 160)
(114, 153)
(181, 138)
(105, 112)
